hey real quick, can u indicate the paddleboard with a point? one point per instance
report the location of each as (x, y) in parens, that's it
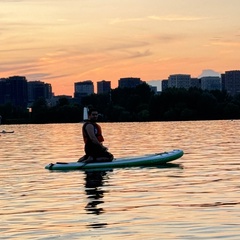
(138, 161)
(3, 131)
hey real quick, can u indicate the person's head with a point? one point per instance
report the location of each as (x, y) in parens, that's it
(92, 114)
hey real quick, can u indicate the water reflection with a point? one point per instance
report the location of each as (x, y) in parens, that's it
(148, 203)
(168, 165)
(94, 182)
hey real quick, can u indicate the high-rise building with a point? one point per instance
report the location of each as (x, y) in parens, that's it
(223, 82)
(211, 83)
(83, 89)
(179, 81)
(231, 82)
(153, 88)
(164, 84)
(103, 87)
(13, 90)
(38, 89)
(129, 82)
(195, 83)
(3, 84)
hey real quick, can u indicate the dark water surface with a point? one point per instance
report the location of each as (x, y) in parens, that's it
(195, 197)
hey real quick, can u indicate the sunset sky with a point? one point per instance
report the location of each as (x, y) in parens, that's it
(65, 41)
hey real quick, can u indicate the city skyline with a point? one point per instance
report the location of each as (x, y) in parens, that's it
(20, 92)
(72, 41)
(155, 83)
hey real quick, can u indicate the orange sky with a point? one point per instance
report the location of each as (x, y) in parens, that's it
(65, 41)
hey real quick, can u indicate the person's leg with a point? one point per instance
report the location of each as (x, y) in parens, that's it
(105, 157)
(89, 159)
(88, 154)
(96, 153)
(83, 158)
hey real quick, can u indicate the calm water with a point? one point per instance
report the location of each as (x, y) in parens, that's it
(197, 197)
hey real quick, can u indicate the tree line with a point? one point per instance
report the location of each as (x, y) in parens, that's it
(132, 105)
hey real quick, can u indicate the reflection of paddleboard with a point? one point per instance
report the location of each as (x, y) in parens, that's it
(140, 161)
(3, 131)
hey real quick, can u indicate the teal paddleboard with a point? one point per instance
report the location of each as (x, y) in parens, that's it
(138, 161)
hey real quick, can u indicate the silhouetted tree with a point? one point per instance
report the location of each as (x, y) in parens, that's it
(134, 104)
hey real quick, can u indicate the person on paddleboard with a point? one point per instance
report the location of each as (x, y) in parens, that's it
(93, 139)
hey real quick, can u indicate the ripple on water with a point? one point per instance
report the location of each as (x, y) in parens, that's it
(196, 198)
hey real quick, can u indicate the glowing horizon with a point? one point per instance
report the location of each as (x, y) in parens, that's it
(76, 40)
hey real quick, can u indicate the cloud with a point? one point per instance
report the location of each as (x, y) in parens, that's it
(42, 76)
(36, 76)
(176, 18)
(209, 73)
(12, 1)
(26, 49)
(158, 18)
(126, 45)
(169, 38)
(227, 43)
(17, 65)
(125, 20)
(139, 54)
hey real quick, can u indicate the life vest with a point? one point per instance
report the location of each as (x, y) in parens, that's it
(97, 132)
